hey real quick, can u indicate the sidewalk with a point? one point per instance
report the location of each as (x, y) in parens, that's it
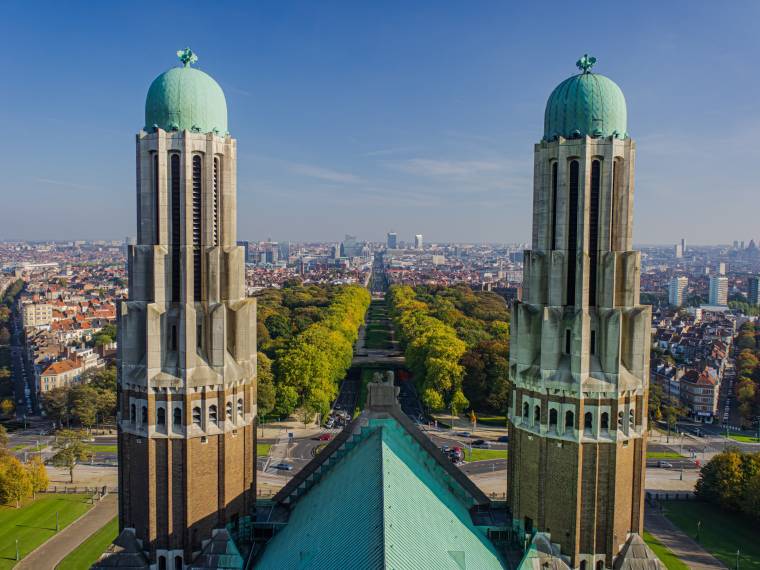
(680, 544)
(49, 554)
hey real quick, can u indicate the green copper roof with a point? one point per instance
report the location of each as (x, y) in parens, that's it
(586, 104)
(184, 98)
(387, 503)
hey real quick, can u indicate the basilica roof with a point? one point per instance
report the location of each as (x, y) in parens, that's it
(587, 104)
(185, 98)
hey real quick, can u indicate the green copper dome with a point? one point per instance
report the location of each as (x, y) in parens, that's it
(586, 104)
(185, 98)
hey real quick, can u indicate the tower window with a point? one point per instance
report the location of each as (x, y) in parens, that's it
(526, 411)
(553, 418)
(588, 421)
(161, 416)
(162, 563)
(593, 342)
(620, 420)
(156, 202)
(173, 338)
(144, 415)
(593, 232)
(600, 565)
(568, 338)
(240, 406)
(177, 563)
(197, 416)
(631, 418)
(176, 229)
(177, 416)
(569, 419)
(215, 204)
(616, 176)
(572, 230)
(229, 411)
(212, 414)
(605, 421)
(197, 194)
(199, 335)
(554, 206)
(133, 413)
(536, 415)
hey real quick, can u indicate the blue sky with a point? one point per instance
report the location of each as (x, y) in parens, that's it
(365, 117)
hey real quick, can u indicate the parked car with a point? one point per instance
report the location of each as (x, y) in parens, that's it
(481, 444)
(284, 467)
(464, 434)
(664, 465)
(325, 437)
(503, 439)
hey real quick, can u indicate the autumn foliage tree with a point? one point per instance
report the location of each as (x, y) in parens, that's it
(731, 480)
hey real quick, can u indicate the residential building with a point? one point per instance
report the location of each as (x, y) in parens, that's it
(418, 241)
(699, 393)
(37, 315)
(753, 294)
(62, 373)
(718, 291)
(391, 241)
(677, 291)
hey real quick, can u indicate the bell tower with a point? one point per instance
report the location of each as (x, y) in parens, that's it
(187, 334)
(580, 339)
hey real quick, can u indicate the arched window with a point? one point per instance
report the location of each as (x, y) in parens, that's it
(212, 414)
(588, 421)
(553, 418)
(593, 230)
(605, 421)
(197, 193)
(229, 410)
(144, 415)
(177, 563)
(162, 563)
(572, 230)
(176, 228)
(240, 406)
(600, 565)
(620, 420)
(133, 413)
(177, 416)
(537, 414)
(583, 565)
(161, 416)
(197, 416)
(569, 419)
(215, 203)
(554, 206)
(631, 419)
(526, 411)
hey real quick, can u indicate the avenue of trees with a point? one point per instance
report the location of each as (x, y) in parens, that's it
(19, 480)
(87, 404)
(747, 386)
(305, 340)
(6, 307)
(456, 343)
(731, 480)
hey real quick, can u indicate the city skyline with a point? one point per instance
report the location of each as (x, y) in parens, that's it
(422, 127)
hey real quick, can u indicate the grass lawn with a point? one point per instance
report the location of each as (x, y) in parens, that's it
(670, 560)
(110, 448)
(743, 439)
(493, 421)
(663, 455)
(88, 552)
(34, 523)
(262, 449)
(484, 454)
(722, 532)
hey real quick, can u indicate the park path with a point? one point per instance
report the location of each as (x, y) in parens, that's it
(679, 543)
(49, 554)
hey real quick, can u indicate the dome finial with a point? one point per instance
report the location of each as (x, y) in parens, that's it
(586, 63)
(187, 56)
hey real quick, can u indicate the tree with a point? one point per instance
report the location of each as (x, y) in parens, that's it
(14, 481)
(3, 438)
(84, 404)
(71, 449)
(38, 476)
(5, 336)
(57, 405)
(266, 393)
(7, 406)
(720, 481)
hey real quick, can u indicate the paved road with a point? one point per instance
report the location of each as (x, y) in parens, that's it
(49, 554)
(680, 544)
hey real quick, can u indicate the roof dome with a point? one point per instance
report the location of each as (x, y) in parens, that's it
(586, 104)
(184, 98)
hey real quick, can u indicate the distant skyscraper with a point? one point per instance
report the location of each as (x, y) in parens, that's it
(683, 246)
(677, 290)
(247, 249)
(679, 251)
(392, 241)
(349, 247)
(579, 362)
(418, 241)
(187, 334)
(718, 291)
(754, 290)
(721, 268)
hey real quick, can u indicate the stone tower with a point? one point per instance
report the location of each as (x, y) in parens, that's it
(187, 362)
(580, 339)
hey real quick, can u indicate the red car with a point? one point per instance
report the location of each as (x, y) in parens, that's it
(325, 437)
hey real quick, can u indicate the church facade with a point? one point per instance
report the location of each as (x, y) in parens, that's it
(187, 344)
(580, 338)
